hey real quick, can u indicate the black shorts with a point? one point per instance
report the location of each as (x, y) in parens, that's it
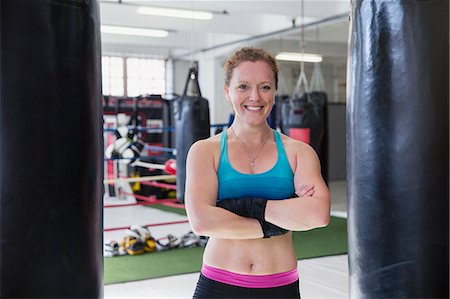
(208, 288)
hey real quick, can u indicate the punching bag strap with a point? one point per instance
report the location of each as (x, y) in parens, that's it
(193, 80)
(317, 83)
(301, 87)
(298, 91)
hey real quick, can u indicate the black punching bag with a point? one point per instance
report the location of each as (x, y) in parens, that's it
(192, 123)
(50, 150)
(398, 149)
(301, 121)
(320, 106)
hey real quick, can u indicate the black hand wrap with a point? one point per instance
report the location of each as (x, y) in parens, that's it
(253, 207)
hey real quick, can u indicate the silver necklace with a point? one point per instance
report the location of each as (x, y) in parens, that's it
(246, 150)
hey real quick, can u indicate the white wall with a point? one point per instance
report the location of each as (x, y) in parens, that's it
(210, 77)
(334, 74)
(211, 80)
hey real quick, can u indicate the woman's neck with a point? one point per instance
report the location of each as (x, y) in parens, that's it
(251, 134)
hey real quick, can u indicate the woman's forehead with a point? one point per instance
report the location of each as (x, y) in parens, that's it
(253, 70)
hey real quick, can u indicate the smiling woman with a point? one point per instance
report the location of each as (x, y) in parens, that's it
(251, 91)
(245, 191)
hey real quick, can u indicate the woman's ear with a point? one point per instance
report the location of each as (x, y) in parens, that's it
(226, 90)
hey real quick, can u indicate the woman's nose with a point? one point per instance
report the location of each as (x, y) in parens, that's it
(254, 94)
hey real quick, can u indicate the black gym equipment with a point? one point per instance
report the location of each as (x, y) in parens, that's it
(51, 226)
(191, 112)
(304, 117)
(273, 115)
(398, 149)
(319, 103)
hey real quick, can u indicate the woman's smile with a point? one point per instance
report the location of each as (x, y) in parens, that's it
(253, 108)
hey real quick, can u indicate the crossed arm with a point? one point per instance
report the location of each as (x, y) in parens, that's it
(311, 211)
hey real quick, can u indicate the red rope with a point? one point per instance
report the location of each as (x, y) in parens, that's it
(174, 205)
(160, 185)
(148, 225)
(141, 197)
(129, 205)
(147, 202)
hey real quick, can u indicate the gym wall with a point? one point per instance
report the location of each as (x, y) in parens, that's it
(334, 74)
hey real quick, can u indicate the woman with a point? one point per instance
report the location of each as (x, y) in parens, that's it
(239, 187)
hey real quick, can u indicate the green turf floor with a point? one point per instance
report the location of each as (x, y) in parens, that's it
(331, 240)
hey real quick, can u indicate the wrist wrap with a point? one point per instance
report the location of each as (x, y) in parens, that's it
(253, 207)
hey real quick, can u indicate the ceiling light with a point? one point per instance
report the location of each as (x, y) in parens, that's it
(134, 31)
(303, 57)
(176, 13)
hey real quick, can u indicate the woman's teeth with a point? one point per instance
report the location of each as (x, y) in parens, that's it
(254, 108)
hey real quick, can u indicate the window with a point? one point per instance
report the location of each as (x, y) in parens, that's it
(112, 76)
(145, 76)
(142, 76)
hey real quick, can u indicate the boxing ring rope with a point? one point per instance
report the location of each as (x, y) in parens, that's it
(171, 202)
(169, 167)
(159, 129)
(160, 185)
(140, 179)
(148, 225)
(173, 151)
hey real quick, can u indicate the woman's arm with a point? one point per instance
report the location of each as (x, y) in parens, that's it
(306, 212)
(200, 199)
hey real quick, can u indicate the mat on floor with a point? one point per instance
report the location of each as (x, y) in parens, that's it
(331, 240)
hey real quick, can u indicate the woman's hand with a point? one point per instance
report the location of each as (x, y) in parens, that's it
(305, 190)
(313, 208)
(200, 198)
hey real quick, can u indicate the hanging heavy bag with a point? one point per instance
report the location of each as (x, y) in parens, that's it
(398, 150)
(300, 120)
(279, 100)
(51, 146)
(192, 123)
(168, 136)
(318, 101)
(272, 117)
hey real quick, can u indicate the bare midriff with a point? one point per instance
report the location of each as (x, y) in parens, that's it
(253, 257)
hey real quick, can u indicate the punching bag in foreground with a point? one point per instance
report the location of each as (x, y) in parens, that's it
(192, 123)
(398, 149)
(50, 150)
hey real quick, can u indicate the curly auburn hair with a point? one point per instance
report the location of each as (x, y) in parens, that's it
(249, 54)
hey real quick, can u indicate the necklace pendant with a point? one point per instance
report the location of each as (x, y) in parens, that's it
(253, 163)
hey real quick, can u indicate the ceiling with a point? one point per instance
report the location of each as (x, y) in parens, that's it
(273, 24)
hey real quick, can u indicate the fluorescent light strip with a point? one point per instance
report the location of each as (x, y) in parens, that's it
(176, 13)
(134, 31)
(303, 57)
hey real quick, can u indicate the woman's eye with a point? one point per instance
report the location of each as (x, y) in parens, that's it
(242, 86)
(266, 87)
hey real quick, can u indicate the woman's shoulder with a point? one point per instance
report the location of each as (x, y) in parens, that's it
(296, 147)
(206, 150)
(207, 145)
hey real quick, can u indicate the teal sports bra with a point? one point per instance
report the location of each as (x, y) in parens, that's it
(276, 183)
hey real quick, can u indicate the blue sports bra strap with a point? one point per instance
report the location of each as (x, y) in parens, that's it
(223, 142)
(278, 139)
(279, 142)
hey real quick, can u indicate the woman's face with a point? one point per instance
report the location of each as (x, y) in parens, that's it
(251, 91)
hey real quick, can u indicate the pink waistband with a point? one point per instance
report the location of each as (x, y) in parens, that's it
(250, 281)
